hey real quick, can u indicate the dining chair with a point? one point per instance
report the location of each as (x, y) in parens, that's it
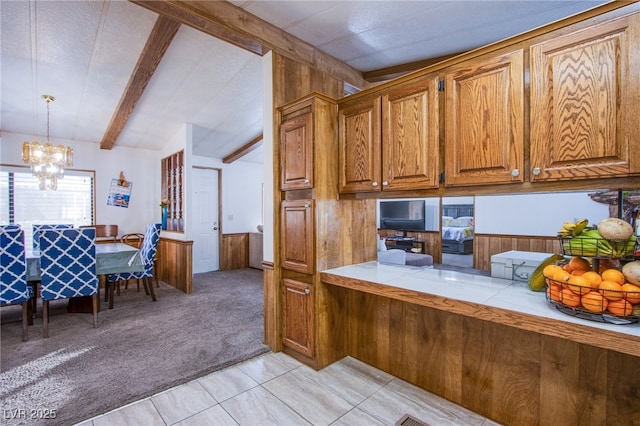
(148, 253)
(37, 229)
(133, 239)
(13, 275)
(68, 268)
(104, 232)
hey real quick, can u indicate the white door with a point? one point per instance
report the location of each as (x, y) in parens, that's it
(206, 222)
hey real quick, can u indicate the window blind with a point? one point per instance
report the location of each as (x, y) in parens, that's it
(23, 203)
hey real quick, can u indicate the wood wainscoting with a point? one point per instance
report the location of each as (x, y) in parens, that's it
(234, 251)
(175, 263)
(486, 245)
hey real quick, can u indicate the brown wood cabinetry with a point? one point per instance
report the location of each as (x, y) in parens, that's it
(391, 142)
(359, 156)
(298, 316)
(296, 149)
(297, 228)
(484, 121)
(585, 89)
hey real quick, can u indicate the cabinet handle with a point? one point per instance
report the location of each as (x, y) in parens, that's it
(304, 293)
(306, 181)
(515, 172)
(536, 171)
(374, 184)
(307, 205)
(385, 183)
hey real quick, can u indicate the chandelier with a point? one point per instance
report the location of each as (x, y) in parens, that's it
(46, 160)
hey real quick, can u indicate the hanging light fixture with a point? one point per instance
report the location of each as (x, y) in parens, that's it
(47, 161)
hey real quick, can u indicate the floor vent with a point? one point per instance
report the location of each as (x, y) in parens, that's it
(407, 420)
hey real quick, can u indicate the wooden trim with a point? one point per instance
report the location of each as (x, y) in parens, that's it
(244, 150)
(384, 74)
(175, 264)
(234, 25)
(159, 40)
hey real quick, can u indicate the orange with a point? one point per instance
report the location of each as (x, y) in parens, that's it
(594, 278)
(594, 302)
(550, 270)
(631, 293)
(579, 263)
(561, 276)
(579, 285)
(578, 272)
(611, 290)
(621, 308)
(569, 298)
(613, 275)
(553, 292)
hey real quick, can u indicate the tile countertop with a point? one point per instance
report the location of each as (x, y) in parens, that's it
(479, 296)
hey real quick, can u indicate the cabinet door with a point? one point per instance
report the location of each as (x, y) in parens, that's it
(484, 119)
(297, 235)
(359, 146)
(410, 136)
(297, 316)
(296, 152)
(584, 94)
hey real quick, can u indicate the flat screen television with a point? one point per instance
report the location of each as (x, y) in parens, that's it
(405, 215)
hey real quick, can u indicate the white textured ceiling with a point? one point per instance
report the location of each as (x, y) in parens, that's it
(83, 53)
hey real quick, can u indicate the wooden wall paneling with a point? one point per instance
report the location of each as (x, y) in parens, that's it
(500, 372)
(331, 334)
(175, 264)
(235, 251)
(486, 245)
(623, 388)
(271, 309)
(369, 329)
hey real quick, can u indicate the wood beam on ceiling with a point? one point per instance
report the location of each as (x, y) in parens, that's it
(234, 25)
(157, 44)
(385, 74)
(244, 150)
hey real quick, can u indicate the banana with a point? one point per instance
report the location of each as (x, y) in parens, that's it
(564, 232)
(580, 226)
(569, 226)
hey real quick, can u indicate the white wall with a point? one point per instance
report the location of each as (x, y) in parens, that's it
(241, 182)
(141, 167)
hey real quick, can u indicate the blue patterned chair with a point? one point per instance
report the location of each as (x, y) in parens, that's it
(13, 274)
(68, 266)
(39, 228)
(148, 253)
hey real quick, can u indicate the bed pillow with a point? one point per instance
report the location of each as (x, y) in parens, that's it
(462, 222)
(446, 220)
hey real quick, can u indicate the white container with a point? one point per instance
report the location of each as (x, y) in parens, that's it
(516, 265)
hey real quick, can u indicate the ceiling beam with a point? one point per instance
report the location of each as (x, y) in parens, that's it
(234, 25)
(157, 44)
(244, 150)
(389, 73)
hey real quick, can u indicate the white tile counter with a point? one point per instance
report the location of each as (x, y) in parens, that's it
(482, 297)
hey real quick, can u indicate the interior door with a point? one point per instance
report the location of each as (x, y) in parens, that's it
(206, 255)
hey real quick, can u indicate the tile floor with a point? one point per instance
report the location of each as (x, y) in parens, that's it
(275, 389)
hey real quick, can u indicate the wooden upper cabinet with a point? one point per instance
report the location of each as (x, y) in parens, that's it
(297, 235)
(410, 136)
(585, 90)
(484, 121)
(296, 150)
(359, 146)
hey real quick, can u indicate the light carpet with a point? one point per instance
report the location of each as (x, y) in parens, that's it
(140, 348)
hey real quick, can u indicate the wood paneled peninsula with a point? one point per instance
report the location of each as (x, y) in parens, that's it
(488, 344)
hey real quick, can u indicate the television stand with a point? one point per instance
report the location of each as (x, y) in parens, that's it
(411, 245)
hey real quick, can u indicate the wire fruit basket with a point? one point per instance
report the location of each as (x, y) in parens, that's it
(602, 305)
(599, 247)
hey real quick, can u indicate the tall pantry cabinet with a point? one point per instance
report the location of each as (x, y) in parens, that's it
(310, 221)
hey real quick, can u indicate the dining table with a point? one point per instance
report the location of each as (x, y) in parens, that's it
(111, 258)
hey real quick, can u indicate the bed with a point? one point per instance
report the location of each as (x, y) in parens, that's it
(457, 228)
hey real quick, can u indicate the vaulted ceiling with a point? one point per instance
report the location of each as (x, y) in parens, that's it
(133, 73)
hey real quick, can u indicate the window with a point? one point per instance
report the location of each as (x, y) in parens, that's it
(23, 203)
